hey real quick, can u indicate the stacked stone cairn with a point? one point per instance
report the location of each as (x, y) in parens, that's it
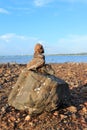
(37, 88)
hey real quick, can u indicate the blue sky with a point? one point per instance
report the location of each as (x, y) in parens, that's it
(60, 25)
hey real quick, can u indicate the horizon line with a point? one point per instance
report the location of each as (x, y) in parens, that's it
(83, 53)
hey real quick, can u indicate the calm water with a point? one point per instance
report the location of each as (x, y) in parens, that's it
(49, 59)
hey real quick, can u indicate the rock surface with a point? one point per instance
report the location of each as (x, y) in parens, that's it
(38, 92)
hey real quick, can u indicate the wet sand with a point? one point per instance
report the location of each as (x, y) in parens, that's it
(69, 117)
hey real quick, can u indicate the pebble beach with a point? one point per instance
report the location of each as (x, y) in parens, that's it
(71, 117)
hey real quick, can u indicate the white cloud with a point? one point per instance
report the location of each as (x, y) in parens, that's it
(14, 37)
(73, 44)
(13, 44)
(68, 44)
(41, 3)
(4, 11)
(6, 37)
(74, 39)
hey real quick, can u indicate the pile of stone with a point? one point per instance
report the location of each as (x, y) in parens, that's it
(38, 90)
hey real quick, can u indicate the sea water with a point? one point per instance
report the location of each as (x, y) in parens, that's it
(49, 59)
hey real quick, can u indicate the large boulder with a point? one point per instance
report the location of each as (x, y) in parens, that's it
(38, 92)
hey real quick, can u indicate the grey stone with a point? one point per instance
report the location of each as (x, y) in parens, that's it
(37, 92)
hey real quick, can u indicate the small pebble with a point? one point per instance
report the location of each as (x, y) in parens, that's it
(72, 109)
(27, 118)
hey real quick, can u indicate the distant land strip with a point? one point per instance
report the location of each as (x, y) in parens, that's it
(79, 54)
(69, 54)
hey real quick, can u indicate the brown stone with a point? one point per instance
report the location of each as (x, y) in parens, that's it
(38, 92)
(72, 109)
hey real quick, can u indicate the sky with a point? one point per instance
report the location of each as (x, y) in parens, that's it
(59, 25)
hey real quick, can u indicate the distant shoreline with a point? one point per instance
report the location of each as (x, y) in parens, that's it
(72, 54)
